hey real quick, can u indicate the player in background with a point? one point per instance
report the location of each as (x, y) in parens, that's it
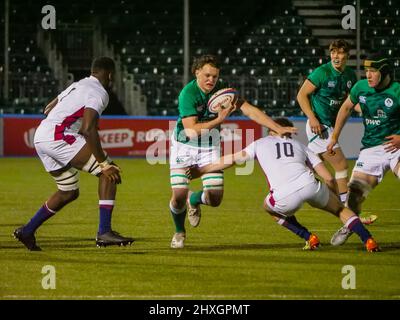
(288, 166)
(379, 99)
(320, 98)
(195, 141)
(66, 141)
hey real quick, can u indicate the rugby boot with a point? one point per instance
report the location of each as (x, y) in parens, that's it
(194, 212)
(312, 243)
(28, 240)
(372, 246)
(341, 236)
(178, 240)
(112, 238)
(367, 220)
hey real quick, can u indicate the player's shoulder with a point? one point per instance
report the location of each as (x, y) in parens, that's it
(361, 85)
(190, 89)
(93, 86)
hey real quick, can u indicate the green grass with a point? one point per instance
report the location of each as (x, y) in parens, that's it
(237, 252)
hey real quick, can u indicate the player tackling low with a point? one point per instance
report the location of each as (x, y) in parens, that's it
(288, 166)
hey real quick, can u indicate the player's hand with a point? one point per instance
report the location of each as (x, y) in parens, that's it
(112, 172)
(330, 146)
(393, 143)
(193, 172)
(315, 126)
(223, 113)
(286, 131)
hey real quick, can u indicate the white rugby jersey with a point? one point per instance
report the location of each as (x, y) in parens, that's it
(285, 163)
(65, 119)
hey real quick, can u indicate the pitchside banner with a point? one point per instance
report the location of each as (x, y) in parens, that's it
(125, 136)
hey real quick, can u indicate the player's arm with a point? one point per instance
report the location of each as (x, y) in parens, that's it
(50, 106)
(324, 173)
(89, 131)
(223, 163)
(261, 118)
(303, 98)
(341, 118)
(193, 128)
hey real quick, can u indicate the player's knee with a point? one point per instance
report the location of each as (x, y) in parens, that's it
(68, 180)
(341, 174)
(179, 179)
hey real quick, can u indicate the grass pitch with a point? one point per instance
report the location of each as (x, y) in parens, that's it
(237, 252)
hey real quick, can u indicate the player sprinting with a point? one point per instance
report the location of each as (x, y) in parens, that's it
(320, 98)
(379, 99)
(195, 141)
(66, 141)
(288, 166)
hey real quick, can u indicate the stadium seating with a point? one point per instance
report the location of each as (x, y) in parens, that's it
(266, 50)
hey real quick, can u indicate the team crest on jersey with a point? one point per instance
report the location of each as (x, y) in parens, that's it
(388, 102)
(349, 83)
(331, 84)
(200, 108)
(362, 99)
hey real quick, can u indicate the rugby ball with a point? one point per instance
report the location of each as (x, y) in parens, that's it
(223, 98)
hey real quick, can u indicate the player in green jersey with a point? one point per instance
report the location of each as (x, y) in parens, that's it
(379, 99)
(195, 141)
(320, 97)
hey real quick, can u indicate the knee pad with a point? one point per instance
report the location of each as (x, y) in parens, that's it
(341, 174)
(92, 166)
(213, 181)
(179, 179)
(68, 180)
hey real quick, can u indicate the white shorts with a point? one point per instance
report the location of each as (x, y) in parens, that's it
(317, 144)
(57, 154)
(183, 155)
(316, 194)
(376, 161)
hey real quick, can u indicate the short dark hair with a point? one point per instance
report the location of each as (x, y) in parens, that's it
(284, 122)
(339, 44)
(201, 61)
(103, 63)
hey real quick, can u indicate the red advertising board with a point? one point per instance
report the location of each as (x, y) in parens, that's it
(126, 136)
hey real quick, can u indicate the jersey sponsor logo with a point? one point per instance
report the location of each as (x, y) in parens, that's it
(359, 164)
(362, 99)
(334, 103)
(331, 84)
(349, 84)
(374, 122)
(388, 102)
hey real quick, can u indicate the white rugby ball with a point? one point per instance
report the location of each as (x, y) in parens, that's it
(222, 99)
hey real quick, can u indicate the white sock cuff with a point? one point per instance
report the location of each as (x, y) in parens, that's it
(281, 221)
(106, 202)
(47, 207)
(176, 211)
(351, 219)
(203, 197)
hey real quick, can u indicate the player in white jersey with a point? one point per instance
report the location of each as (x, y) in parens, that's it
(66, 141)
(288, 166)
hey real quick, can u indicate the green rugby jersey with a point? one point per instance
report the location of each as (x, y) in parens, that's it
(332, 89)
(193, 102)
(380, 111)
